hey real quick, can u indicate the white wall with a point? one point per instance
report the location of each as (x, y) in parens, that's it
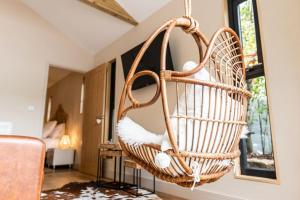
(28, 44)
(280, 30)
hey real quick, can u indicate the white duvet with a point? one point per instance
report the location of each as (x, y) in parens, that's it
(51, 143)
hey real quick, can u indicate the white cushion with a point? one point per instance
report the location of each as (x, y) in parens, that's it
(48, 128)
(209, 104)
(59, 131)
(134, 134)
(214, 103)
(187, 109)
(51, 143)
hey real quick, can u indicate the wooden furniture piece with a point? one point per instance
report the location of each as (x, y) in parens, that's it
(60, 116)
(137, 178)
(94, 118)
(57, 157)
(21, 167)
(222, 56)
(108, 151)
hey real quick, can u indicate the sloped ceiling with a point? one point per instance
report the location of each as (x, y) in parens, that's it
(89, 27)
(56, 74)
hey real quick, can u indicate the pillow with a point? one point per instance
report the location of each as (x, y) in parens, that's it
(211, 105)
(220, 109)
(59, 131)
(51, 143)
(137, 134)
(48, 128)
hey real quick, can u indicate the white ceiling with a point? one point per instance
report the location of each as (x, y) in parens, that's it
(89, 27)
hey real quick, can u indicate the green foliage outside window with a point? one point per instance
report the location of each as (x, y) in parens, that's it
(247, 27)
(259, 140)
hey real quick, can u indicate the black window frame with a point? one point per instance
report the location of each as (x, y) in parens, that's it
(255, 71)
(113, 66)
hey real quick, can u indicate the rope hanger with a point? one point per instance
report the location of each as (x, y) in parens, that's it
(194, 26)
(188, 8)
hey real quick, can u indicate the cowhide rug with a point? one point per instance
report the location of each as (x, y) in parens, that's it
(89, 191)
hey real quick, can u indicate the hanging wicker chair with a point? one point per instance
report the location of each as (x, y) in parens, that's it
(222, 57)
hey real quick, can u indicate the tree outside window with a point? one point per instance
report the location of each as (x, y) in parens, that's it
(257, 157)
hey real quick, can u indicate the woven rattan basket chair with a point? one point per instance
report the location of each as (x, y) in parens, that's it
(222, 57)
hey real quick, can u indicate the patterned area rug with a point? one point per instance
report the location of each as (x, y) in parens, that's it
(89, 191)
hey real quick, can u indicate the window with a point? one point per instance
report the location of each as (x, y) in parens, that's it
(112, 100)
(257, 156)
(49, 106)
(81, 99)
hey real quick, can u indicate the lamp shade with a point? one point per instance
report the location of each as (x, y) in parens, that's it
(65, 142)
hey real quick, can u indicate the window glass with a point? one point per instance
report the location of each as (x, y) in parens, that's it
(81, 99)
(247, 32)
(257, 155)
(49, 106)
(258, 131)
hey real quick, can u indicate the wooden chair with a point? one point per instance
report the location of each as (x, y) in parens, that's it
(21, 167)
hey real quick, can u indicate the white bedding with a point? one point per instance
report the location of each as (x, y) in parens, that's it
(51, 143)
(56, 131)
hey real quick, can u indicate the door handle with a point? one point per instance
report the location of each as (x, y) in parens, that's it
(99, 119)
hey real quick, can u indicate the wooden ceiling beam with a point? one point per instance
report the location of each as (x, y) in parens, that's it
(111, 7)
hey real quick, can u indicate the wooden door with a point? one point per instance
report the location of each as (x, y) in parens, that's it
(93, 117)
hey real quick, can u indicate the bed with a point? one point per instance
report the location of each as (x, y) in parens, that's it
(55, 129)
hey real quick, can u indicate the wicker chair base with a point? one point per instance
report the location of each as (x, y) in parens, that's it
(220, 121)
(184, 180)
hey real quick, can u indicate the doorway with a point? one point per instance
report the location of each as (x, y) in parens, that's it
(62, 130)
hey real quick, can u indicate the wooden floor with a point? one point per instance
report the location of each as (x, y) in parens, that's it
(58, 178)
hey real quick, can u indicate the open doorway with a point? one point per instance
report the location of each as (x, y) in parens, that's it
(79, 116)
(62, 130)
